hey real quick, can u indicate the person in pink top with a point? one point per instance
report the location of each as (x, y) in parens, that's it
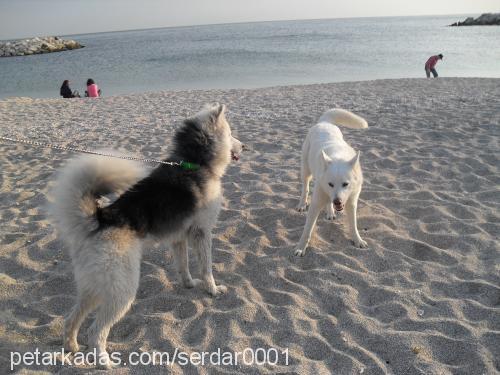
(430, 65)
(93, 90)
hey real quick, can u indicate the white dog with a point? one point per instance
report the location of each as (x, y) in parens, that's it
(337, 172)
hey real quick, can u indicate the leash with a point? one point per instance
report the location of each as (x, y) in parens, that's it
(183, 164)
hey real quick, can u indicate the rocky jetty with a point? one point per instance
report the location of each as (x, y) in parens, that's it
(483, 19)
(35, 46)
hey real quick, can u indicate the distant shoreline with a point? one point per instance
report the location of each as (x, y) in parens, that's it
(250, 89)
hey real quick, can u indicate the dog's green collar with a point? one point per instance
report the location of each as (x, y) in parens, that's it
(187, 166)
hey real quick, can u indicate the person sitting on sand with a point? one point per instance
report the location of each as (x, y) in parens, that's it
(66, 92)
(93, 90)
(430, 65)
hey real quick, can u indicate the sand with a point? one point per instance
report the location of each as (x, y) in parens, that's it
(423, 298)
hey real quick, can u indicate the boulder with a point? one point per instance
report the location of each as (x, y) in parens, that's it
(485, 19)
(37, 45)
(469, 21)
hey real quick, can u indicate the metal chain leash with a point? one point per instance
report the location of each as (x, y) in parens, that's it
(85, 151)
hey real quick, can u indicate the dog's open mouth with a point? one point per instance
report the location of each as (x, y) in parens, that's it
(235, 156)
(338, 207)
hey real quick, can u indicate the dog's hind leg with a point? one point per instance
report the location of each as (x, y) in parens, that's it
(74, 320)
(107, 315)
(351, 208)
(201, 240)
(182, 263)
(117, 292)
(305, 177)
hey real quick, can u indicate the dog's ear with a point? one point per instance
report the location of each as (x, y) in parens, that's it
(325, 159)
(221, 110)
(217, 111)
(355, 159)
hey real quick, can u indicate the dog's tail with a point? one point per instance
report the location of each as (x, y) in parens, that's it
(79, 186)
(345, 118)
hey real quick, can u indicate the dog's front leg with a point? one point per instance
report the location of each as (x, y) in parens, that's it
(302, 206)
(330, 212)
(318, 202)
(351, 208)
(202, 243)
(182, 264)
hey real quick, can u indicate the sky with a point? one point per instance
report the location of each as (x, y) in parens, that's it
(25, 18)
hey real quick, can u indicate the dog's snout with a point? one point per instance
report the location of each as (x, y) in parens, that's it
(337, 202)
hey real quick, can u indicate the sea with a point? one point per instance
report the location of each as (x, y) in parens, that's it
(259, 54)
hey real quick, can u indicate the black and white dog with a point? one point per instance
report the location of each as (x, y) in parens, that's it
(172, 204)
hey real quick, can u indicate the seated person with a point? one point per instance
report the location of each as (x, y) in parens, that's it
(93, 90)
(66, 92)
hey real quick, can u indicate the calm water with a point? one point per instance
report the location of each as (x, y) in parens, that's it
(258, 54)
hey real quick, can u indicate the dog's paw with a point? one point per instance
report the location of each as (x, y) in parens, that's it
(330, 213)
(300, 252)
(71, 347)
(360, 243)
(221, 289)
(218, 290)
(191, 283)
(104, 362)
(302, 207)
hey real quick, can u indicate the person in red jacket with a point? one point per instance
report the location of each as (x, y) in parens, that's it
(431, 64)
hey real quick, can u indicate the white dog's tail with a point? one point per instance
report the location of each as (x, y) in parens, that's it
(80, 184)
(345, 118)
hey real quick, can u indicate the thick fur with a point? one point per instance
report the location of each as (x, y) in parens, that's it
(335, 166)
(169, 204)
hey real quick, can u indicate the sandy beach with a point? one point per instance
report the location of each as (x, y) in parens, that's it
(424, 298)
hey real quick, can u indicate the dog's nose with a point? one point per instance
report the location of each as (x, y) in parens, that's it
(337, 202)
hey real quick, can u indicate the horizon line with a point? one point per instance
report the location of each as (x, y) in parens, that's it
(238, 22)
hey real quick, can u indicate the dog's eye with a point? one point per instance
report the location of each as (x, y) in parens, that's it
(331, 185)
(345, 184)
